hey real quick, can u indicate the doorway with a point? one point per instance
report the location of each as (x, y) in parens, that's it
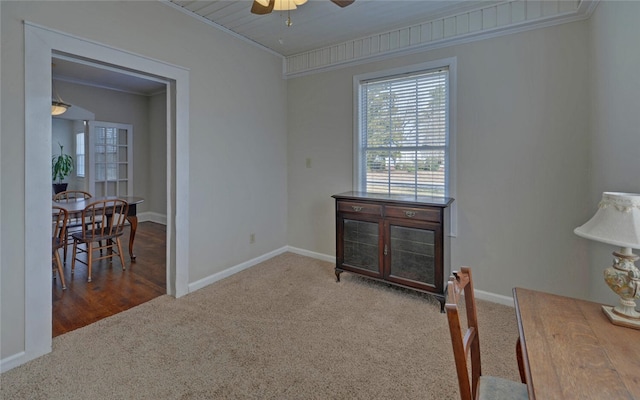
(40, 44)
(106, 164)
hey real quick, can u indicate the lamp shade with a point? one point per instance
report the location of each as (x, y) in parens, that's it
(283, 5)
(58, 107)
(617, 221)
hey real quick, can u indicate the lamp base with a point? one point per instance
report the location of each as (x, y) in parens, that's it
(623, 277)
(618, 319)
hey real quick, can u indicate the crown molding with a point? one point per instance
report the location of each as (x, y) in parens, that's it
(481, 23)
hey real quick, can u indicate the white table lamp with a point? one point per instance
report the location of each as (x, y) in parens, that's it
(617, 222)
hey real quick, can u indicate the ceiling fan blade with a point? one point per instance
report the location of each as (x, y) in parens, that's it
(342, 3)
(260, 9)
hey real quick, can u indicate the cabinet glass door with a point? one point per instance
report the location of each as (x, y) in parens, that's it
(412, 254)
(361, 245)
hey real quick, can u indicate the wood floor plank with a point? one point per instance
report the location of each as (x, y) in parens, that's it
(112, 290)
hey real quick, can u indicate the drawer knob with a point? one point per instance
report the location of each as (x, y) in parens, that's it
(410, 214)
(356, 208)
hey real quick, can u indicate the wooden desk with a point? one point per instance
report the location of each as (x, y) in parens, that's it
(572, 351)
(76, 207)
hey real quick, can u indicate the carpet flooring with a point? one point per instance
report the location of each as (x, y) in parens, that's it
(283, 329)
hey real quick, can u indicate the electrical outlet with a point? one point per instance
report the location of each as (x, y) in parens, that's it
(252, 238)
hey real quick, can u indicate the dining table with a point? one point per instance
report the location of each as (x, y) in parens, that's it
(75, 209)
(571, 350)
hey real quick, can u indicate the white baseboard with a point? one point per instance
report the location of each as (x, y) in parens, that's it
(312, 254)
(13, 361)
(21, 358)
(494, 298)
(162, 219)
(235, 269)
(152, 217)
(480, 294)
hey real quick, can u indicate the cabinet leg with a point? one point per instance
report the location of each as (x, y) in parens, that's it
(442, 306)
(338, 275)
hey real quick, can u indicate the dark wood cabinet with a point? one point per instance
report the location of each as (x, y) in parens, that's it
(401, 240)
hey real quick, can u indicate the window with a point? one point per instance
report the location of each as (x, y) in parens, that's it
(403, 130)
(106, 153)
(80, 169)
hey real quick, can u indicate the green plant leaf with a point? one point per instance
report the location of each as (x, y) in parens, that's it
(61, 165)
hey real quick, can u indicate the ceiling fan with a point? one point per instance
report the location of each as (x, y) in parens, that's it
(262, 7)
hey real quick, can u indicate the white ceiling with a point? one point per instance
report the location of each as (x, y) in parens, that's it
(320, 23)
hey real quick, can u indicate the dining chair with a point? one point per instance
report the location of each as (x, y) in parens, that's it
(467, 345)
(105, 222)
(58, 237)
(73, 223)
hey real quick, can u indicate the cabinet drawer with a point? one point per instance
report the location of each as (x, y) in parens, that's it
(360, 208)
(422, 214)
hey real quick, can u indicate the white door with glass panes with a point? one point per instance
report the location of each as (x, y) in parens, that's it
(111, 163)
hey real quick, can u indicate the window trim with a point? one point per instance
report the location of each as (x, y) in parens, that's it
(81, 173)
(449, 63)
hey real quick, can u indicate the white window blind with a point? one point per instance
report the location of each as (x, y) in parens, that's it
(404, 134)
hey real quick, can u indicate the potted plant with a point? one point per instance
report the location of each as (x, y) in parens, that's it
(61, 167)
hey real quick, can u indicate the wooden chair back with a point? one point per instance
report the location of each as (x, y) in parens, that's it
(69, 196)
(73, 222)
(58, 239)
(104, 223)
(466, 345)
(104, 219)
(59, 225)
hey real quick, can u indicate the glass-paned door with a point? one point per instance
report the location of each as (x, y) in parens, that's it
(361, 244)
(111, 164)
(413, 256)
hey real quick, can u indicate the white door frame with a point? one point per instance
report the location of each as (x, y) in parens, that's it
(40, 44)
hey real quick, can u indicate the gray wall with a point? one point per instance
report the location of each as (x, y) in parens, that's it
(614, 117)
(62, 133)
(522, 157)
(147, 114)
(157, 147)
(547, 120)
(237, 135)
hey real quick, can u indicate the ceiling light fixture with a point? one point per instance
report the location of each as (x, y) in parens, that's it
(280, 5)
(286, 5)
(266, 6)
(58, 106)
(262, 7)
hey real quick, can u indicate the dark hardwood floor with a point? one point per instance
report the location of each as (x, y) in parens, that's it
(112, 290)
